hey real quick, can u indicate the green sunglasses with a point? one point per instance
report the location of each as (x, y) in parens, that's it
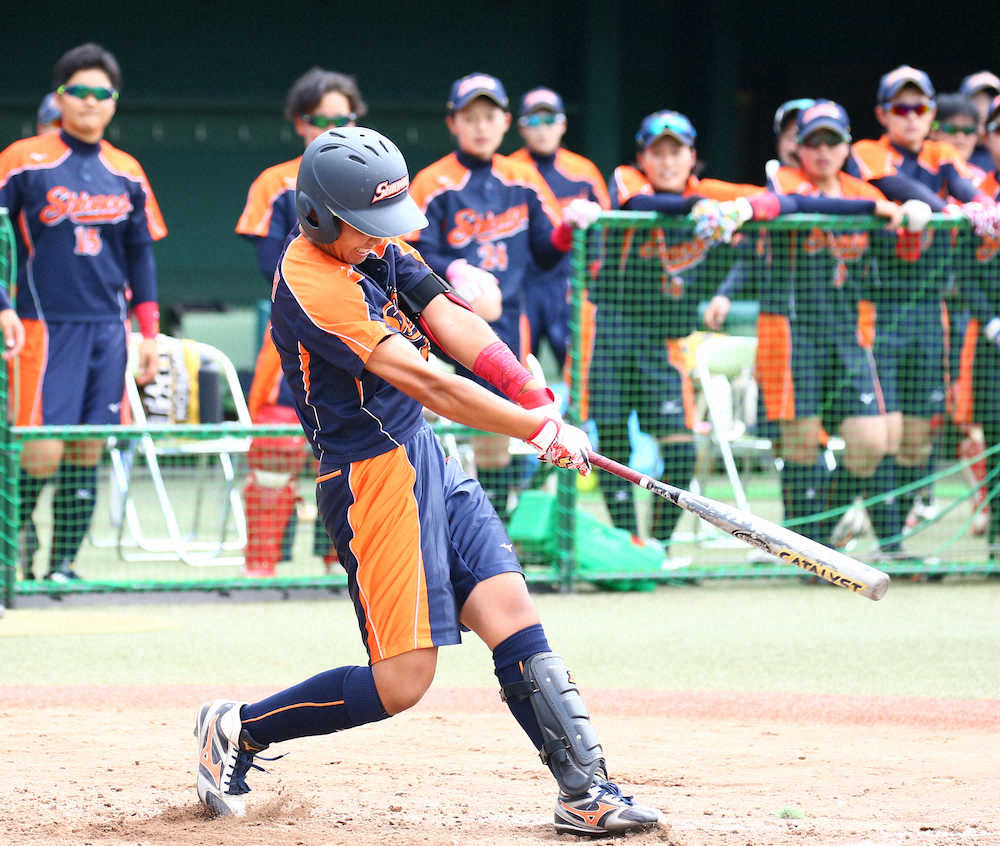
(322, 122)
(953, 129)
(82, 92)
(541, 118)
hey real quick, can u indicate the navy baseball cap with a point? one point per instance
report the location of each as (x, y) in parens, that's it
(470, 86)
(993, 115)
(980, 81)
(824, 114)
(48, 111)
(538, 99)
(665, 122)
(891, 84)
(788, 110)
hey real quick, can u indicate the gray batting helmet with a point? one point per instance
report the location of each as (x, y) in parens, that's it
(358, 175)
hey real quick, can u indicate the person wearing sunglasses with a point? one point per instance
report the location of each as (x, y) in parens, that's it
(824, 379)
(910, 346)
(490, 217)
(318, 100)
(981, 87)
(542, 124)
(87, 219)
(957, 123)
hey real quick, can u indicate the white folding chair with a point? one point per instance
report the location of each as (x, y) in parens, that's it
(182, 538)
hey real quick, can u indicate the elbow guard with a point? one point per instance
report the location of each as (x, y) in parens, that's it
(414, 300)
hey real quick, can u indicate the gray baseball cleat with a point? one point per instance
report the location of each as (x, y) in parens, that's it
(603, 809)
(225, 756)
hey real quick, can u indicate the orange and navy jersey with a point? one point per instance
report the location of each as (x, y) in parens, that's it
(570, 176)
(327, 317)
(498, 215)
(935, 174)
(269, 214)
(819, 276)
(659, 275)
(85, 219)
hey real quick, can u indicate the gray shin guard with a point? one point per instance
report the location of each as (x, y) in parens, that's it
(570, 749)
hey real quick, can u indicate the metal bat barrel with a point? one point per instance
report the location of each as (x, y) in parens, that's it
(784, 544)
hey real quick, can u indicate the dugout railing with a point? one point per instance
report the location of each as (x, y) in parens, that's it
(561, 527)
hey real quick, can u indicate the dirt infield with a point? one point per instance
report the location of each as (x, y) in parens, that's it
(100, 765)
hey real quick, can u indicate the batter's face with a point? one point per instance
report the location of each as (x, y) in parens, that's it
(908, 131)
(87, 118)
(787, 145)
(667, 164)
(353, 246)
(333, 104)
(479, 128)
(544, 139)
(822, 155)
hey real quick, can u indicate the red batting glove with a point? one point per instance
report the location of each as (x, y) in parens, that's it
(562, 445)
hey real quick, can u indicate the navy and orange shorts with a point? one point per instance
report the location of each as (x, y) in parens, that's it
(808, 371)
(69, 373)
(415, 535)
(632, 368)
(911, 356)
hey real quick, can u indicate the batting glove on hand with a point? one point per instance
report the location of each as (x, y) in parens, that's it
(562, 445)
(581, 213)
(985, 220)
(468, 280)
(916, 214)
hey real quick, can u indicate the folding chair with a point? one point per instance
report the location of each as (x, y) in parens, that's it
(222, 544)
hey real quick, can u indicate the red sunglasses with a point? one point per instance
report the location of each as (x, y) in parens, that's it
(903, 109)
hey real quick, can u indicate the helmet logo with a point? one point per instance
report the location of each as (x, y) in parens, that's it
(390, 188)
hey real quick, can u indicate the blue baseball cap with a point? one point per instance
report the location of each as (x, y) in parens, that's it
(789, 110)
(993, 115)
(48, 111)
(980, 81)
(824, 114)
(891, 83)
(665, 122)
(538, 99)
(470, 86)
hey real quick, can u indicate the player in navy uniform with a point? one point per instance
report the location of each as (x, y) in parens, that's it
(542, 123)
(87, 219)
(489, 217)
(981, 87)
(909, 340)
(352, 310)
(317, 100)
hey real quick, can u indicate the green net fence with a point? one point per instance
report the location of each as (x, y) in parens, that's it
(848, 394)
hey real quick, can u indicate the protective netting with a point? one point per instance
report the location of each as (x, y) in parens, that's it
(851, 394)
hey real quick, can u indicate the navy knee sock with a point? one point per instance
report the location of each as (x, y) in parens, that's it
(617, 493)
(887, 522)
(72, 509)
(331, 701)
(803, 492)
(30, 489)
(678, 468)
(508, 657)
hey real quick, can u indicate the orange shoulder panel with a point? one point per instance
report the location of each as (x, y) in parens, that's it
(576, 166)
(513, 172)
(991, 185)
(39, 151)
(440, 176)
(628, 182)
(522, 156)
(791, 180)
(264, 190)
(875, 158)
(854, 188)
(329, 295)
(121, 162)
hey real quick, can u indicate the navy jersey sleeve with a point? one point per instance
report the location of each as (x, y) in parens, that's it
(672, 204)
(541, 226)
(432, 244)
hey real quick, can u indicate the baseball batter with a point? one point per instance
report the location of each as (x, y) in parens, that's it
(353, 309)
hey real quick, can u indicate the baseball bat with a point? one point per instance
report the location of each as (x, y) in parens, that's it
(788, 546)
